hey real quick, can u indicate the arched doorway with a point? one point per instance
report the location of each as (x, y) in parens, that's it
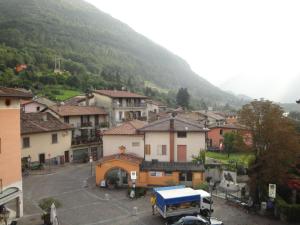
(117, 177)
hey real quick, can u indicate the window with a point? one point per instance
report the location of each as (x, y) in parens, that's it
(168, 173)
(38, 108)
(147, 149)
(181, 134)
(135, 144)
(221, 132)
(156, 174)
(96, 120)
(54, 138)
(26, 142)
(66, 119)
(162, 150)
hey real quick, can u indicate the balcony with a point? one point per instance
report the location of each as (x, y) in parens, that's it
(129, 105)
(84, 124)
(83, 140)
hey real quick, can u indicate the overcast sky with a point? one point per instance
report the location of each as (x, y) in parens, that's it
(247, 47)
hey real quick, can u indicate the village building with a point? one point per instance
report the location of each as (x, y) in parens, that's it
(45, 139)
(170, 144)
(81, 100)
(88, 123)
(10, 151)
(216, 135)
(125, 136)
(122, 106)
(36, 105)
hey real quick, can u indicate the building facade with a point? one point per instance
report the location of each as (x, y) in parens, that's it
(122, 105)
(170, 144)
(88, 123)
(10, 151)
(45, 139)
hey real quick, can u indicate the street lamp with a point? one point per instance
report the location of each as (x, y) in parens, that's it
(29, 161)
(91, 163)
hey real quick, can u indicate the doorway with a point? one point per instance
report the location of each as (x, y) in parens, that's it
(181, 153)
(67, 159)
(42, 158)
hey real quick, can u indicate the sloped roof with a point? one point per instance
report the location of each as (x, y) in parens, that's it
(14, 92)
(77, 99)
(119, 94)
(230, 126)
(41, 100)
(125, 157)
(179, 125)
(41, 122)
(158, 103)
(211, 114)
(128, 128)
(73, 110)
(171, 166)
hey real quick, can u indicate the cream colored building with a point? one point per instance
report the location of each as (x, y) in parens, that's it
(122, 105)
(173, 140)
(45, 138)
(124, 137)
(88, 122)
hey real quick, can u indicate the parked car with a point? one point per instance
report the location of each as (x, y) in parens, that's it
(198, 220)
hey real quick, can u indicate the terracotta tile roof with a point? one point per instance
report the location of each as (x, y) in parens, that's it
(158, 103)
(14, 92)
(77, 99)
(171, 166)
(73, 110)
(41, 100)
(128, 128)
(41, 122)
(179, 125)
(125, 157)
(119, 94)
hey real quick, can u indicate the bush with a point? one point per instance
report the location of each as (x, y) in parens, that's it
(203, 186)
(290, 212)
(45, 204)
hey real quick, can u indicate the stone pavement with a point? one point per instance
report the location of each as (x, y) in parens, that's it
(89, 205)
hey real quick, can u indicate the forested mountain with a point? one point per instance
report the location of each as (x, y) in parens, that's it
(95, 49)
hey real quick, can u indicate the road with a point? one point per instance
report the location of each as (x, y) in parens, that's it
(89, 205)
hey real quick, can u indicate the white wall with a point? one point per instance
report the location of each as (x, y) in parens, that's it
(154, 139)
(42, 143)
(32, 107)
(111, 144)
(194, 141)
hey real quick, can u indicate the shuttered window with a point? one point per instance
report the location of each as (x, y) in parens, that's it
(148, 149)
(162, 150)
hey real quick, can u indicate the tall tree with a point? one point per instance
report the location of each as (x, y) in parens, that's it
(183, 98)
(275, 142)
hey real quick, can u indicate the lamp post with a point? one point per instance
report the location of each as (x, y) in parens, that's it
(29, 162)
(91, 163)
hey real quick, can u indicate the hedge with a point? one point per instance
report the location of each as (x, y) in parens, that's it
(290, 212)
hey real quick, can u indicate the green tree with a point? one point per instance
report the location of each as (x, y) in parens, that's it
(183, 98)
(229, 142)
(275, 142)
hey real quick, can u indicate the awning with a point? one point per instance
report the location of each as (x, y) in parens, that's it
(9, 194)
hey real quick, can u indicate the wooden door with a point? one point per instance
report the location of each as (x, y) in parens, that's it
(181, 153)
(42, 158)
(67, 156)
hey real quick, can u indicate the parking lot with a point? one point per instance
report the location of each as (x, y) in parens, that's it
(90, 206)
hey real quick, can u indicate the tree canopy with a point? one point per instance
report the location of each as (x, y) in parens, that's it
(183, 98)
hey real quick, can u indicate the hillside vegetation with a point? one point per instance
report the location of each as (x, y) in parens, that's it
(96, 51)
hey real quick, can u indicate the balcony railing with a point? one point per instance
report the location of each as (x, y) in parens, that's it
(85, 124)
(129, 105)
(85, 140)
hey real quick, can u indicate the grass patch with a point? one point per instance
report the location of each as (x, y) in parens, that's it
(241, 157)
(155, 87)
(65, 94)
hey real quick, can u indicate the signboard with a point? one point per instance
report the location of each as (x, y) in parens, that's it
(272, 190)
(133, 175)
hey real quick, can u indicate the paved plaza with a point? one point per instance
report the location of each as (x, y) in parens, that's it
(90, 206)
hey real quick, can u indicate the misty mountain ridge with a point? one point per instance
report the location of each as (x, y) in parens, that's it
(89, 41)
